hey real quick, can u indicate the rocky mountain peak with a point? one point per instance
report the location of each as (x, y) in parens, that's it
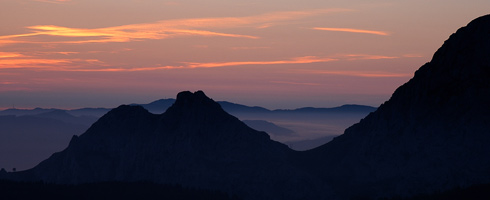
(194, 100)
(196, 108)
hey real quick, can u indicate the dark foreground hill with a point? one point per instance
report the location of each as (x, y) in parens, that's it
(432, 135)
(105, 190)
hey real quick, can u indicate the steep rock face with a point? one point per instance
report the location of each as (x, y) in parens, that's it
(432, 134)
(194, 143)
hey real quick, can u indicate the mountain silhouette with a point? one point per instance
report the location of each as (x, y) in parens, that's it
(194, 143)
(431, 135)
(26, 141)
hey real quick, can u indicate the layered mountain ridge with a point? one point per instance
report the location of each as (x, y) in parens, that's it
(194, 143)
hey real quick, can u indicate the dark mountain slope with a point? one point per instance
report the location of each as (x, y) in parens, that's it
(432, 134)
(194, 143)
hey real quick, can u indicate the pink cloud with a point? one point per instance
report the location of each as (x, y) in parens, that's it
(351, 30)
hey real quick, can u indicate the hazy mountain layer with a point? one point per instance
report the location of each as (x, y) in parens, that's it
(34, 134)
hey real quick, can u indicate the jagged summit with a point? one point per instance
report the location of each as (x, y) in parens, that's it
(189, 99)
(196, 106)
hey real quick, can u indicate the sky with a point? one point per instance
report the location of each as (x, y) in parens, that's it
(270, 53)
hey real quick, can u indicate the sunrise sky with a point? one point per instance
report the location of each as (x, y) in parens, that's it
(270, 53)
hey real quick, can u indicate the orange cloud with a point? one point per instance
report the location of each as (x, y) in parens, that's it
(256, 21)
(297, 60)
(9, 55)
(24, 62)
(114, 34)
(19, 61)
(125, 69)
(94, 65)
(162, 29)
(351, 30)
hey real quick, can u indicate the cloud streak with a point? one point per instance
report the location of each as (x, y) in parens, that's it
(365, 74)
(19, 61)
(94, 65)
(9, 55)
(159, 30)
(113, 34)
(296, 83)
(366, 57)
(297, 60)
(351, 30)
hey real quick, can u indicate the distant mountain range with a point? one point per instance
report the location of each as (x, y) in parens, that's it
(45, 131)
(432, 135)
(160, 106)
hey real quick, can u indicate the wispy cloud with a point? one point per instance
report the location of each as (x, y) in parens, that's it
(94, 65)
(366, 74)
(9, 55)
(159, 30)
(113, 34)
(351, 30)
(19, 61)
(365, 57)
(296, 83)
(297, 60)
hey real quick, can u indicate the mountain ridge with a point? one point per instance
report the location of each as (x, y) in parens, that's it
(217, 151)
(431, 135)
(159, 106)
